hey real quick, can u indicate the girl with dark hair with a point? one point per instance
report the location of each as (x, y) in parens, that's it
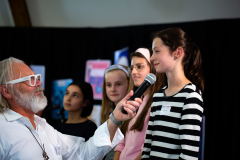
(135, 129)
(176, 113)
(78, 101)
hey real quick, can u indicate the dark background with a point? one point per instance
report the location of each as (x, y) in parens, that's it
(64, 52)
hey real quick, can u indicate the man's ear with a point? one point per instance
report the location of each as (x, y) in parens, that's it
(86, 102)
(5, 92)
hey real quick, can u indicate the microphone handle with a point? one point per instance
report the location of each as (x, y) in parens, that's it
(141, 89)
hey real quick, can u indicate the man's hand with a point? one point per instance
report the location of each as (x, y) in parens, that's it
(129, 106)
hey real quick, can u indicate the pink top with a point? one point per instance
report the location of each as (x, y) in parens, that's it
(132, 144)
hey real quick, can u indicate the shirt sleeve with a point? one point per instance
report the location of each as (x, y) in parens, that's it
(95, 148)
(148, 139)
(120, 145)
(190, 126)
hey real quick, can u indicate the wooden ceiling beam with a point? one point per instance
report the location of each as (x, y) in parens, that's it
(20, 13)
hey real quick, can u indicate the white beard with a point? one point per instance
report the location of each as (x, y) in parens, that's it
(30, 101)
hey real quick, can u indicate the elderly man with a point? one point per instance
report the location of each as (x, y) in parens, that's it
(25, 136)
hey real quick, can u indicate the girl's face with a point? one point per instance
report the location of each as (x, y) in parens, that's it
(73, 99)
(162, 59)
(116, 85)
(140, 69)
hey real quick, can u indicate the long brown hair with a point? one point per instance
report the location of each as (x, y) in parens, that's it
(176, 37)
(107, 105)
(138, 125)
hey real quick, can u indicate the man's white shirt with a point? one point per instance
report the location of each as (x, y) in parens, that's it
(17, 142)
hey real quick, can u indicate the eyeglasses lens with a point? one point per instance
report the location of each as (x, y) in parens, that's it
(33, 79)
(138, 67)
(39, 78)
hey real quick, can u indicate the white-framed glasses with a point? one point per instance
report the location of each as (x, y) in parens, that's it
(32, 79)
(138, 67)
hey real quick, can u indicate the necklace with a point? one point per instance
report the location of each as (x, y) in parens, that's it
(45, 156)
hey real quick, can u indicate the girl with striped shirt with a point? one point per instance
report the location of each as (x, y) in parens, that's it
(176, 113)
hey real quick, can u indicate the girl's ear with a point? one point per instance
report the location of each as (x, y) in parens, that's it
(178, 53)
(4, 91)
(86, 102)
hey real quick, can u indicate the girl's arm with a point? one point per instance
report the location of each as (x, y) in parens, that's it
(118, 149)
(117, 155)
(139, 156)
(190, 126)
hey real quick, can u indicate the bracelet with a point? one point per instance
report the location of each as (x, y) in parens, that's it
(114, 120)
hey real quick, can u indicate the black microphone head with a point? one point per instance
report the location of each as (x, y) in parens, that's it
(151, 78)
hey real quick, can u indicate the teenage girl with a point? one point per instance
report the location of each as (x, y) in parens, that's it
(117, 83)
(78, 101)
(135, 129)
(176, 113)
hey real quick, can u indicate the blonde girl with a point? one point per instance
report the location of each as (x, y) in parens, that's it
(116, 84)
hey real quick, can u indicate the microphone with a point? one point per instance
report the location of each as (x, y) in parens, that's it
(149, 80)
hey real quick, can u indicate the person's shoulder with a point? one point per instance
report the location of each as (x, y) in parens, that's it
(192, 91)
(193, 95)
(2, 119)
(1, 116)
(60, 125)
(90, 122)
(190, 87)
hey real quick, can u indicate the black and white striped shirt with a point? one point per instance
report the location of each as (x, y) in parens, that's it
(174, 125)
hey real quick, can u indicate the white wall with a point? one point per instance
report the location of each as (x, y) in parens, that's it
(109, 13)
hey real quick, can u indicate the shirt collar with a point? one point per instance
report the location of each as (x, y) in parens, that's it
(10, 115)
